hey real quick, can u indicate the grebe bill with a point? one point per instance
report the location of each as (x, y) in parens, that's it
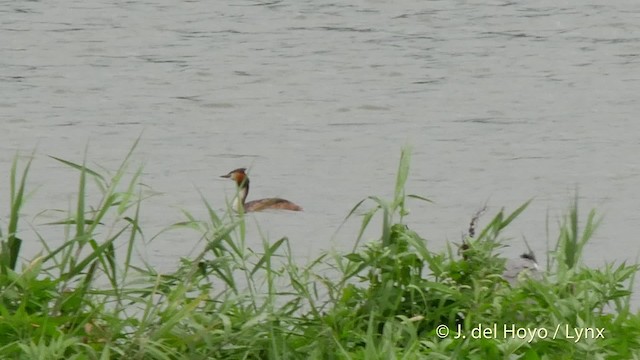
(242, 181)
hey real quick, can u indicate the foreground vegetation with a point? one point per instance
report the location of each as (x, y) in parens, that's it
(389, 299)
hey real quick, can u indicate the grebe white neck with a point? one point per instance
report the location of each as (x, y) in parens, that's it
(241, 196)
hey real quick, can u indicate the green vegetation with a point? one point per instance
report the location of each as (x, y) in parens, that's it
(388, 299)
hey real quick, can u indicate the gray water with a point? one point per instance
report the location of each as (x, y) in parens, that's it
(502, 101)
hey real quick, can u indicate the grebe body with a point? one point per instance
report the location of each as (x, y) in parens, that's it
(242, 181)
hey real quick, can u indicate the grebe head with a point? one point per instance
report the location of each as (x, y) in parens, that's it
(238, 175)
(242, 181)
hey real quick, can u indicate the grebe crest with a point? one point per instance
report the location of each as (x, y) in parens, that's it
(242, 181)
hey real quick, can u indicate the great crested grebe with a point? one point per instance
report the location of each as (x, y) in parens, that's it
(242, 180)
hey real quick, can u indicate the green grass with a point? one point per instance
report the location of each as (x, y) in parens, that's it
(84, 299)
